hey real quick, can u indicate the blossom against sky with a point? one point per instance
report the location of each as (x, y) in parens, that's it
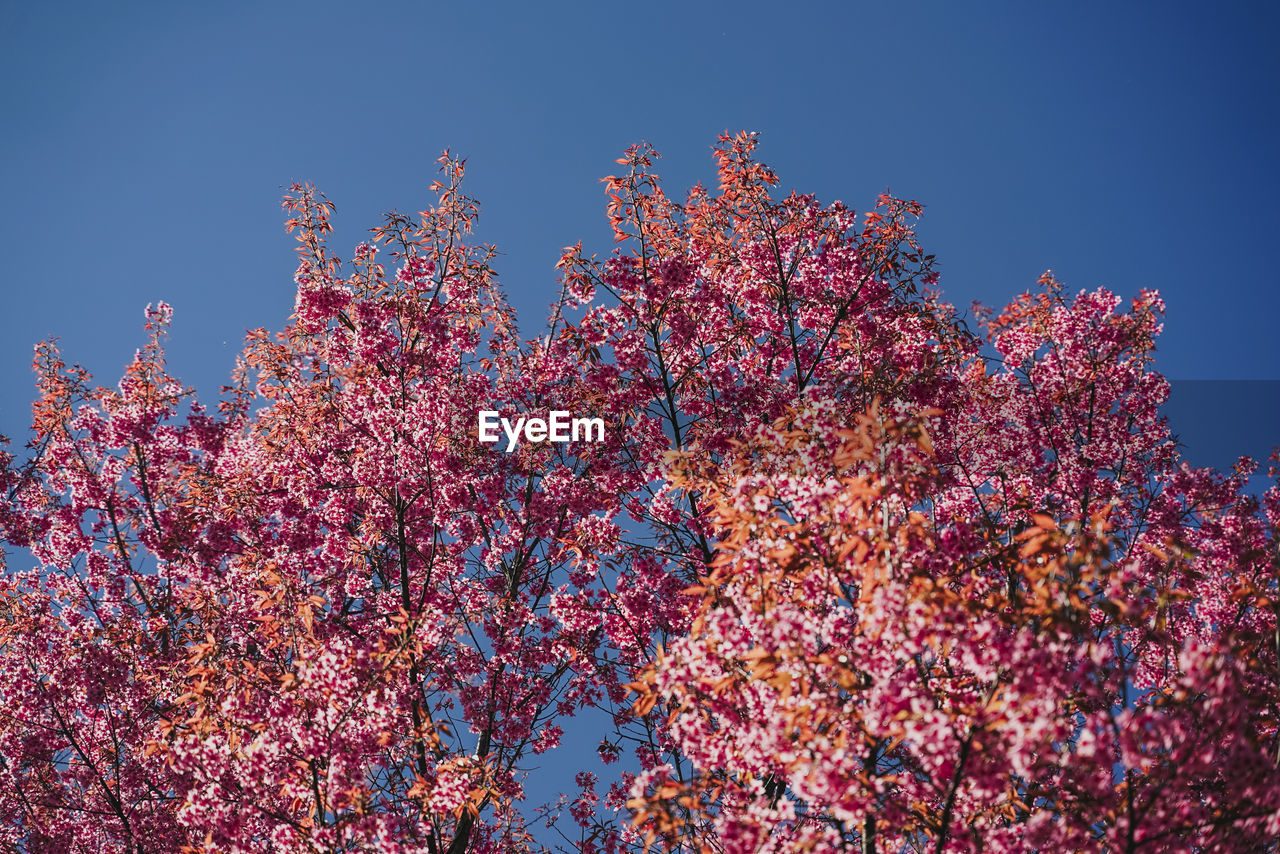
(146, 148)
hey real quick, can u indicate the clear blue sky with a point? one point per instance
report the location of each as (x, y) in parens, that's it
(144, 146)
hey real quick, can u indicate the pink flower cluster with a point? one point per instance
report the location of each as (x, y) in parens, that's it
(837, 579)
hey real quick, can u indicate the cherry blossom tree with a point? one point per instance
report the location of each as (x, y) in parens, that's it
(843, 573)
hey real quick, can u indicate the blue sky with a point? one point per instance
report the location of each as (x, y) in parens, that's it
(145, 146)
